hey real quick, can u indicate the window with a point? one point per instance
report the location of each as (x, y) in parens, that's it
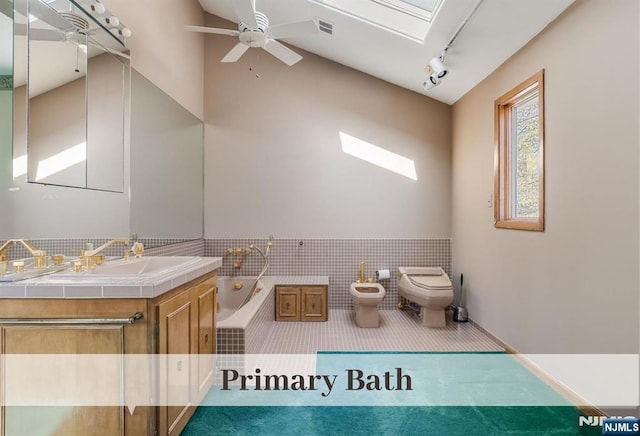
(519, 158)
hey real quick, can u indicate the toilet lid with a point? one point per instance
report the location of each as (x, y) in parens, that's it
(431, 281)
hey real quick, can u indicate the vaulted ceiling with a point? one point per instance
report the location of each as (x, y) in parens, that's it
(496, 30)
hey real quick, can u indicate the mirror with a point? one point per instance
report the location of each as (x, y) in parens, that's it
(75, 91)
(167, 173)
(6, 98)
(163, 164)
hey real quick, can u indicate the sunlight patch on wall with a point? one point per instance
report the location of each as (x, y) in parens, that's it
(19, 166)
(378, 156)
(61, 161)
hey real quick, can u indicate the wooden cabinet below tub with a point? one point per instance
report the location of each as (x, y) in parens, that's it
(301, 303)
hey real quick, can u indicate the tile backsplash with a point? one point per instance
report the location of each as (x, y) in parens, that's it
(71, 247)
(338, 259)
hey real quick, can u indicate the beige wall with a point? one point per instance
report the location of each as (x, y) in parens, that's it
(573, 288)
(162, 50)
(274, 161)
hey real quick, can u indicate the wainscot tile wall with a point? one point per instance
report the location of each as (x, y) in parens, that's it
(337, 258)
(72, 246)
(251, 339)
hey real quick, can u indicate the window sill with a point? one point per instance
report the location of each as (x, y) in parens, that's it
(534, 226)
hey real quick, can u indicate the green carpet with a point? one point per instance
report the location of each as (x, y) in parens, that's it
(445, 421)
(452, 394)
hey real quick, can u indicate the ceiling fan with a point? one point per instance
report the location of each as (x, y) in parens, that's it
(254, 31)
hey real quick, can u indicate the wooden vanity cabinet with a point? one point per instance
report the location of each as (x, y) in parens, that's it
(74, 339)
(301, 303)
(180, 322)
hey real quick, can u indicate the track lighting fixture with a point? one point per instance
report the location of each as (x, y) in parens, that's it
(438, 68)
(431, 82)
(436, 71)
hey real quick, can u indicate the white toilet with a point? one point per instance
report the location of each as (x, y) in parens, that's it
(366, 298)
(430, 288)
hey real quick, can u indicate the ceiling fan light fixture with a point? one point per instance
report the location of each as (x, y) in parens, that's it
(254, 30)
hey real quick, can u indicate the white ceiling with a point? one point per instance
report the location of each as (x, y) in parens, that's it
(496, 31)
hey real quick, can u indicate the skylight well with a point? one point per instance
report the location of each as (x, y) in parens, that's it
(408, 18)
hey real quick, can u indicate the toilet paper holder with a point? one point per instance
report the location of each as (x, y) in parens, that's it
(382, 274)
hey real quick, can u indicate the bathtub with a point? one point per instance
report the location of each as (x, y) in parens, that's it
(242, 330)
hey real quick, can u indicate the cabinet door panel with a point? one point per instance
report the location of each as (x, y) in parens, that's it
(65, 340)
(314, 303)
(287, 304)
(175, 317)
(206, 340)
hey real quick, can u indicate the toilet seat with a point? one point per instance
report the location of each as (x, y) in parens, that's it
(430, 282)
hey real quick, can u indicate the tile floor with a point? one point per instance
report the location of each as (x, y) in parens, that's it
(398, 331)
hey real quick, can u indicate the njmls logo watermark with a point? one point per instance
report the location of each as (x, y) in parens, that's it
(613, 425)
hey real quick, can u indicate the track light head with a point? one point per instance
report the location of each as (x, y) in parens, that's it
(431, 82)
(438, 67)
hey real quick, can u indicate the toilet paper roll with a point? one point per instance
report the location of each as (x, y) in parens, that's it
(382, 274)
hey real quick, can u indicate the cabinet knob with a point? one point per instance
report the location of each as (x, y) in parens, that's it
(206, 338)
(179, 365)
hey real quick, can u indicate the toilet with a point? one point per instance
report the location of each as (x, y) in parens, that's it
(431, 289)
(366, 298)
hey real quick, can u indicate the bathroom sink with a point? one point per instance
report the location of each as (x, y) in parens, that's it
(142, 267)
(30, 271)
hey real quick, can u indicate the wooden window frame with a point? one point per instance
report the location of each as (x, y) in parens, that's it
(502, 158)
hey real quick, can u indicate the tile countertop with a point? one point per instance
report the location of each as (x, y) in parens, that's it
(117, 287)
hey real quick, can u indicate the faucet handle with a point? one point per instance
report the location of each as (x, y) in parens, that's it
(138, 249)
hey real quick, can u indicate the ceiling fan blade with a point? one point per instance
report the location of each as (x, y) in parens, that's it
(235, 53)
(49, 15)
(246, 12)
(281, 52)
(229, 32)
(290, 30)
(39, 34)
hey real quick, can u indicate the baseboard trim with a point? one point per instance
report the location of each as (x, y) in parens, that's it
(568, 394)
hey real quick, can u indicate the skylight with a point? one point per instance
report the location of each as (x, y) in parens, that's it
(408, 18)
